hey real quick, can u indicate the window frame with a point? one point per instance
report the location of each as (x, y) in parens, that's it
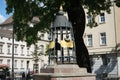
(42, 36)
(22, 64)
(1, 49)
(15, 63)
(28, 51)
(16, 47)
(1, 61)
(8, 62)
(89, 19)
(89, 40)
(102, 18)
(22, 50)
(103, 39)
(41, 49)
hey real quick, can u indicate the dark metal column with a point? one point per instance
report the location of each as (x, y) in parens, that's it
(62, 53)
(13, 55)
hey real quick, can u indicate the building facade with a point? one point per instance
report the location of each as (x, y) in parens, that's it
(103, 43)
(23, 60)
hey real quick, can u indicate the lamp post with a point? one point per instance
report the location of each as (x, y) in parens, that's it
(13, 54)
(61, 47)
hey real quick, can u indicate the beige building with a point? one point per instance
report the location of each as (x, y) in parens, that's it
(103, 43)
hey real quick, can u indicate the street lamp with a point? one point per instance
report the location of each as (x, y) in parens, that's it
(61, 47)
(13, 54)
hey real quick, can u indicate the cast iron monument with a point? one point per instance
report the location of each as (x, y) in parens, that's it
(62, 58)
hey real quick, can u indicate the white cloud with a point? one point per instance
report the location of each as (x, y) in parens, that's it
(2, 18)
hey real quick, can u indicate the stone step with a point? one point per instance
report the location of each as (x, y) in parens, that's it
(65, 68)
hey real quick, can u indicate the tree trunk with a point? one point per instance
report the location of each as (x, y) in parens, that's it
(77, 17)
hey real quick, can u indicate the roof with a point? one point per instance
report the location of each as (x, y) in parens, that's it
(5, 33)
(10, 20)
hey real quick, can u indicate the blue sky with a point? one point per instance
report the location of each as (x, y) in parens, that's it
(3, 15)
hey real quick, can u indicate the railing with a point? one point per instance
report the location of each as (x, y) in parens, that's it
(63, 60)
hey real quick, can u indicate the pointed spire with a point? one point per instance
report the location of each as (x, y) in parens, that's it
(61, 8)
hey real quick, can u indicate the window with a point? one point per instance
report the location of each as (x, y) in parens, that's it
(22, 50)
(89, 40)
(22, 63)
(8, 62)
(15, 50)
(15, 64)
(28, 64)
(1, 61)
(1, 37)
(89, 18)
(103, 38)
(42, 36)
(8, 38)
(8, 49)
(1, 47)
(41, 48)
(28, 52)
(102, 18)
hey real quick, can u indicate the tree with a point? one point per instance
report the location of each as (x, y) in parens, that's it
(25, 10)
(36, 54)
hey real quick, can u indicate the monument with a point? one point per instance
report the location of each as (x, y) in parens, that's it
(62, 58)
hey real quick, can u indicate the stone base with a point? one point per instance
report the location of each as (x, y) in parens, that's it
(64, 72)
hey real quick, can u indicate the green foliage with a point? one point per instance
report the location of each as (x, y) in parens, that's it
(36, 53)
(24, 11)
(49, 51)
(117, 3)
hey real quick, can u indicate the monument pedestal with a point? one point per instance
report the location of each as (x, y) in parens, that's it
(64, 72)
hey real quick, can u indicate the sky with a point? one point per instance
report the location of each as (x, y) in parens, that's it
(3, 15)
